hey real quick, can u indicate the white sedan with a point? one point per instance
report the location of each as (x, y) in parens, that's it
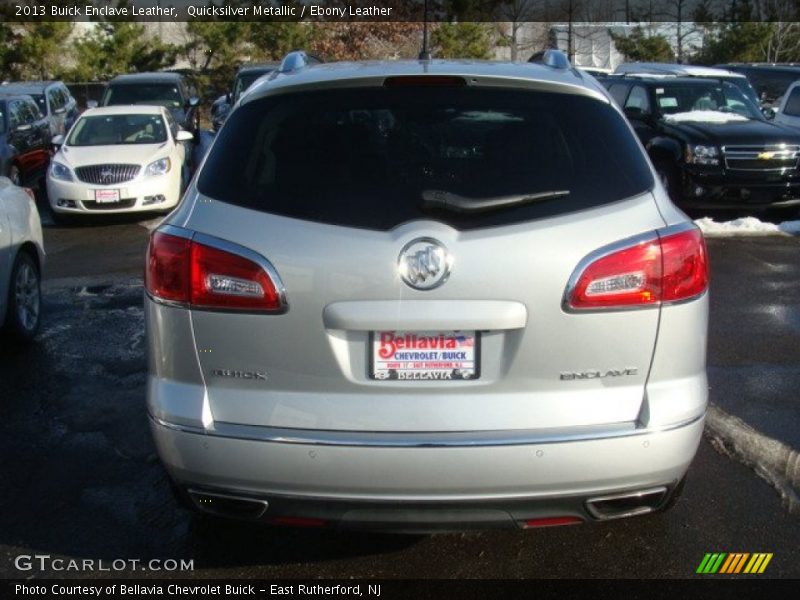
(119, 159)
(21, 261)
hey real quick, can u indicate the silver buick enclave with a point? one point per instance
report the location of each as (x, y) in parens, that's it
(426, 295)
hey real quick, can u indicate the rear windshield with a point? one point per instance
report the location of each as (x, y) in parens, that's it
(367, 158)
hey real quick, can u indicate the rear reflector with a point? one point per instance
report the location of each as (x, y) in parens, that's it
(188, 272)
(665, 268)
(424, 81)
(552, 522)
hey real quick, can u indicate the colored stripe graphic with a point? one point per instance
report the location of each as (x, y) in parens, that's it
(734, 562)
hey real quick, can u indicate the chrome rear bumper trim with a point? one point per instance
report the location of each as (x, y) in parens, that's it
(439, 439)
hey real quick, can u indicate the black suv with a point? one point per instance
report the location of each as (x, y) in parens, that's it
(711, 147)
(24, 139)
(170, 90)
(54, 100)
(245, 76)
(770, 80)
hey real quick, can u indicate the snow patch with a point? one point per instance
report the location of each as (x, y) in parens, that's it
(705, 116)
(746, 226)
(773, 460)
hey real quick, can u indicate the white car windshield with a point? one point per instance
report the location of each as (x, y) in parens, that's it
(118, 129)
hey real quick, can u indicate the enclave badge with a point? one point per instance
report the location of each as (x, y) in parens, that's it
(424, 263)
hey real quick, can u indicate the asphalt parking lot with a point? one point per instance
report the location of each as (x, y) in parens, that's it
(80, 478)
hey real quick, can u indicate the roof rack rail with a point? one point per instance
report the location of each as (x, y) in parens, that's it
(299, 59)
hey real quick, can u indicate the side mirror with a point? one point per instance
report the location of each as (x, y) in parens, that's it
(193, 102)
(184, 136)
(768, 112)
(228, 98)
(57, 141)
(91, 104)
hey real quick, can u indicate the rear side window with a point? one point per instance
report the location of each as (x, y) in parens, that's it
(366, 158)
(792, 107)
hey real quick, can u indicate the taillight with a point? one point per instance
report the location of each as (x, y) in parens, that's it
(202, 276)
(666, 267)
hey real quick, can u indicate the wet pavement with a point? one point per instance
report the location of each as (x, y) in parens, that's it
(754, 333)
(79, 476)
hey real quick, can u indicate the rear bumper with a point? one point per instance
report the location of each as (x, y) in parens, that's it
(420, 488)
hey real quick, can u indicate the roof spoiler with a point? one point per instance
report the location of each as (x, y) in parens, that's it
(297, 60)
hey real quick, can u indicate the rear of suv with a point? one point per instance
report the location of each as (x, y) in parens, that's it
(422, 296)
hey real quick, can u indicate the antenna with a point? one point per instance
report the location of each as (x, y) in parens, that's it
(425, 54)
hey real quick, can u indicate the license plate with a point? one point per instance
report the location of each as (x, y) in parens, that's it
(102, 196)
(425, 355)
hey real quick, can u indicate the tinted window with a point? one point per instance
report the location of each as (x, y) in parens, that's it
(55, 99)
(638, 99)
(3, 117)
(363, 158)
(792, 107)
(118, 129)
(618, 91)
(159, 94)
(41, 103)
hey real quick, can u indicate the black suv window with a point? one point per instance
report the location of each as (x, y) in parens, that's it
(159, 94)
(365, 158)
(792, 107)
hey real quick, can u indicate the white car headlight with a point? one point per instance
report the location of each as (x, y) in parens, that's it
(158, 167)
(702, 155)
(59, 171)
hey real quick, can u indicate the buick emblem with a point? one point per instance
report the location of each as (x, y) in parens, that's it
(106, 175)
(424, 263)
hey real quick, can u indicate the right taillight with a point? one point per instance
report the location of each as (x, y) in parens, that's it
(200, 275)
(665, 267)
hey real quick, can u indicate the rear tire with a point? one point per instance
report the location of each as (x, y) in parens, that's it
(24, 299)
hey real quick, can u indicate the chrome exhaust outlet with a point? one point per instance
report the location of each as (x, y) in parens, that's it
(628, 504)
(226, 505)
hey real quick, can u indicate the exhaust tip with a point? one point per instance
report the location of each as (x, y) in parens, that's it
(628, 504)
(225, 505)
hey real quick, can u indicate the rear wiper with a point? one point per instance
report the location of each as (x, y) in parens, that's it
(461, 204)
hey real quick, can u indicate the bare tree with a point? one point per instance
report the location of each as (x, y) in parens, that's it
(783, 43)
(515, 15)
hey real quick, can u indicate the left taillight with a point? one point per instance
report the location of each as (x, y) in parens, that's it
(668, 266)
(199, 275)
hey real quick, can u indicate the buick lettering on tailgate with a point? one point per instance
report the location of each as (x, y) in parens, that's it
(425, 355)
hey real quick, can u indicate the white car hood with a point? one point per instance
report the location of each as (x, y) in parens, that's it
(132, 154)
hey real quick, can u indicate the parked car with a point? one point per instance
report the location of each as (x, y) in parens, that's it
(219, 111)
(24, 139)
(400, 295)
(21, 262)
(54, 100)
(119, 159)
(244, 78)
(710, 146)
(788, 112)
(770, 80)
(679, 70)
(171, 90)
